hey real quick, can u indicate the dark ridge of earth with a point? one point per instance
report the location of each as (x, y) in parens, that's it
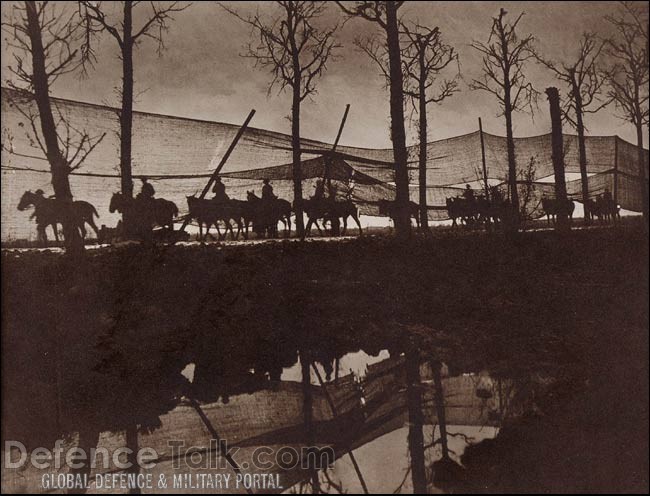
(114, 330)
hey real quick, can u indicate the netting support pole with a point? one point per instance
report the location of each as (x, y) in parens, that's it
(616, 170)
(223, 447)
(335, 415)
(223, 161)
(485, 177)
(336, 143)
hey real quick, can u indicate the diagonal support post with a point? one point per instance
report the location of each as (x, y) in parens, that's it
(223, 161)
(335, 414)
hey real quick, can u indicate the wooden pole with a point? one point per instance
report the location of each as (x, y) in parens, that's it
(557, 155)
(308, 414)
(223, 161)
(485, 177)
(336, 143)
(223, 447)
(616, 170)
(416, 421)
(335, 414)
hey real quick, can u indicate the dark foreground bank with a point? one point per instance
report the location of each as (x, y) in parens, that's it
(99, 343)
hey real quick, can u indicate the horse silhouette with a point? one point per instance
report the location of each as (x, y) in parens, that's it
(553, 207)
(146, 213)
(267, 213)
(51, 212)
(209, 213)
(605, 210)
(328, 209)
(390, 208)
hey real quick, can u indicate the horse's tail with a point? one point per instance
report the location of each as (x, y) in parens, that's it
(93, 211)
(174, 209)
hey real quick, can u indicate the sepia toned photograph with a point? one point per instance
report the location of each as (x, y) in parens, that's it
(324, 247)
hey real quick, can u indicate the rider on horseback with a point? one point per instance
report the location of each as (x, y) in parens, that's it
(267, 191)
(607, 196)
(319, 190)
(468, 194)
(146, 192)
(219, 190)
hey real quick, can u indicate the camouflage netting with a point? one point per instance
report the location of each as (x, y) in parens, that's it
(178, 155)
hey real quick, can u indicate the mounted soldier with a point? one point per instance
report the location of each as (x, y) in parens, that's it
(319, 190)
(219, 190)
(146, 191)
(267, 191)
(468, 194)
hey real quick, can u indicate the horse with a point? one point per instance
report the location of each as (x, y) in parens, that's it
(266, 214)
(156, 211)
(210, 213)
(50, 212)
(246, 213)
(604, 209)
(391, 209)
(324, 208)
(553, 207)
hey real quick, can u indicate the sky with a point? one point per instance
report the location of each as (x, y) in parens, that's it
(202, 73)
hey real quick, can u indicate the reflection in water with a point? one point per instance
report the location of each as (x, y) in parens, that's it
(385, 462)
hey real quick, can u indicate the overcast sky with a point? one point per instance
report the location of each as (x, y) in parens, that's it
(202, 74)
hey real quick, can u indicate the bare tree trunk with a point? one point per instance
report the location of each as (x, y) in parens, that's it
(416, 421)
(582, 152)
(308, 414)
(562, 222)
(296, 169)
(126, 114)
(58, 165)
(512, 163)
(641, 159)
(440, 407)
(424, 214)
(398, 134)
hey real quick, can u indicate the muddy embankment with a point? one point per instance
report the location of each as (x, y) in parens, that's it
(100, 342)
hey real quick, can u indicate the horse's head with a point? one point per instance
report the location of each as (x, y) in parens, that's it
(251, 196)
(26, 200)
(116, 203)
(190, 200)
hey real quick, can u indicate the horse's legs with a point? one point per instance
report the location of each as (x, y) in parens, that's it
(229, 228)
(56, 231)
(92, 224)
(320, 231)
(356, 219)
(42, 236)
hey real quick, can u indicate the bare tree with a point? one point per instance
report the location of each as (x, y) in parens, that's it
(586, 84)
(97, 20)
(296, 52)
(424, 58)
(47, 40)
(504, 58)
(628, 76)
(384, 14)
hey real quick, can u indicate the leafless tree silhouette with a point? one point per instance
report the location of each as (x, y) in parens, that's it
(48, 41)
(98, 19)
(628, 78)
(295, 51)
(384, 14)
(424, 58)
(504, 58)
(586, 95)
